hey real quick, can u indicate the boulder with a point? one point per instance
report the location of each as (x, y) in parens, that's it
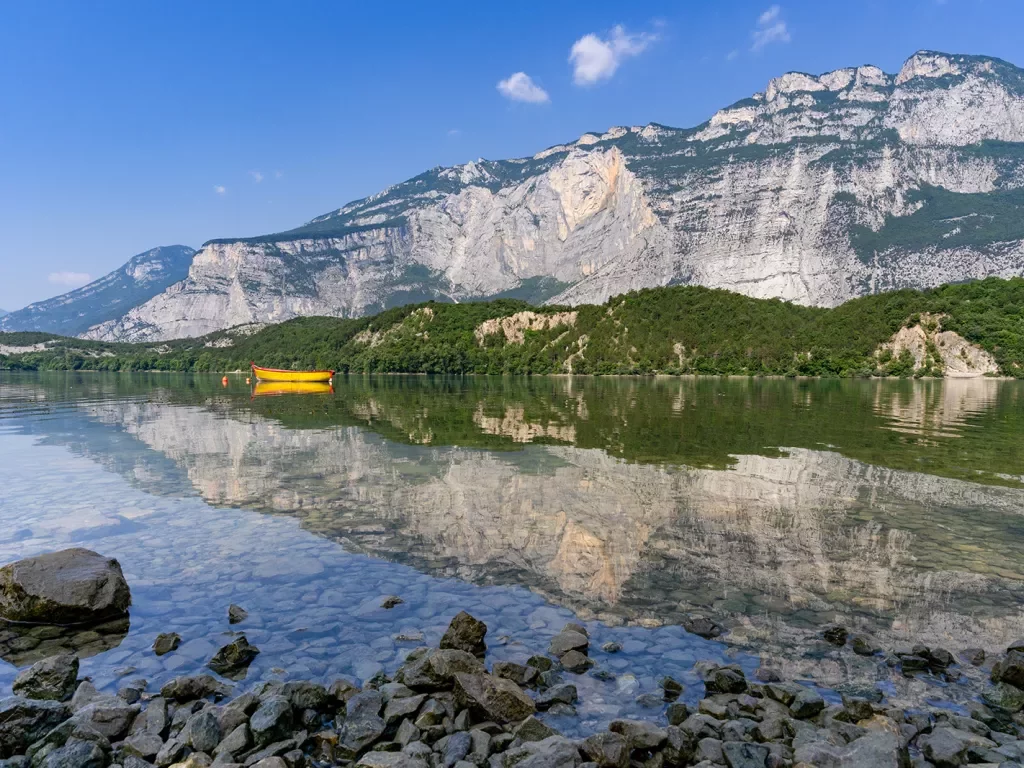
(456, 748)
(552, 752)
(73, 586)
(740, 754)
(876, 749)
(1004, 697)
(194, 687)
(1010, 669)
(435, 670)
(835, 634)
(563, 693)
(391, 760)
(166, 642)
(75, 754)
(108, 715)
(23, 722)
(237, 614)
(728, 679)
(576, 661)
(639, 734)
(806, 704)
(492, 698)
(53, 679)
(234, 658)
(363, 723)
(948, 747)
(532, 729)
(272, 721)
(607, 749)
(465, 633)
(202, 731)
(568, 640)
(702, 626)
(520, 674)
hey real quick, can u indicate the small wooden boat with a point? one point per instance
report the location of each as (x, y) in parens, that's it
(278, 374)
(274, 388)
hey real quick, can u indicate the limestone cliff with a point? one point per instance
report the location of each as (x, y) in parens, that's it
(816, 190)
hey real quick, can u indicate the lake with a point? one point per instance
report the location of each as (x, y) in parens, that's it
(771, 506)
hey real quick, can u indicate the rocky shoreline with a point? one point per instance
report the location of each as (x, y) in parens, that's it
(444, 709)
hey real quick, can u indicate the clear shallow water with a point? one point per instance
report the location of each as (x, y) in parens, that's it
(774, 506)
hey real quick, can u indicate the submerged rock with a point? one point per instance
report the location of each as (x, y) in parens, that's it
(73, 586)
(234, 658)
(166, 642)
(237, 614)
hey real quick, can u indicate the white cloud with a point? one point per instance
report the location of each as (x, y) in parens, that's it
(257, 177)
(770, 29)
(69, 279)
(220, 189)
(454, 132)
(732, 55)
(595, 59)
(520, 87)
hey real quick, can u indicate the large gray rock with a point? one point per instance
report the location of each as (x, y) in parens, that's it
(390, 760)
(948, 747)
(465, 633)
(436, 669)
(72, 586)
(75, 754)
(202, 731)
(23, 722)
(108, 715)
(492, 698)
(568, 640)
(272, 721)
(552, 752)
(54, 678)
(607, 749)
(877, 749)
(363, 723)
(639, 734)
(740, 754)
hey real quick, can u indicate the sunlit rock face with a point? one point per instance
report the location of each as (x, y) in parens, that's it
(816, 190)
(774, 544)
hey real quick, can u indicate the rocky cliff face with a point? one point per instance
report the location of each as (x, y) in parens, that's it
(817, 190)
(110, 297)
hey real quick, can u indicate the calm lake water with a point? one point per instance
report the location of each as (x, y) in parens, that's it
(772, 506)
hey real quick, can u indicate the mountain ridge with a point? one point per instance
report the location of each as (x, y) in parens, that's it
(816, 190)
(111, 296)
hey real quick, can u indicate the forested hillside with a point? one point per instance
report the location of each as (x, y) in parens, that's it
(673, 330)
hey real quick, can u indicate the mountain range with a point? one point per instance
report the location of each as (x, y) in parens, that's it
(816, 190)
(109, 298)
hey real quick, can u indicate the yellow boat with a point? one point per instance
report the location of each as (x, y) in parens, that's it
(264, 388)
(278, 374)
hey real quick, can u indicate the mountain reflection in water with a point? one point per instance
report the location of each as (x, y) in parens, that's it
(774, 505)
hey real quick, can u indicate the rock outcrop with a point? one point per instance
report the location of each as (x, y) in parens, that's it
(931, 349)
(817, 190)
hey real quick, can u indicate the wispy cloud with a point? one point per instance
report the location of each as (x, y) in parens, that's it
(520, 87)
(220, 189)
(454, 132)
(732, 55)
(69, 279)
(771, 28)
(595, 59)
(256, 176)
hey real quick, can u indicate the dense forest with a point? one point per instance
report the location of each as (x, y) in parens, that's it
(673, 330)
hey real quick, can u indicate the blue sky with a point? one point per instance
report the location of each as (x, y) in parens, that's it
(129, 125)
